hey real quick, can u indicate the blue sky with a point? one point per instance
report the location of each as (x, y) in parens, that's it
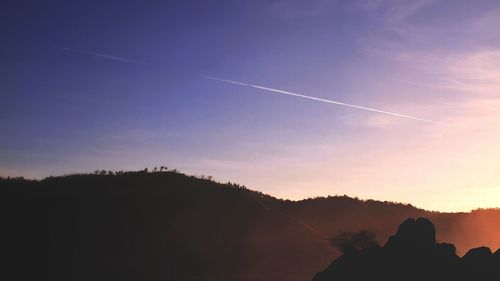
(64, 108)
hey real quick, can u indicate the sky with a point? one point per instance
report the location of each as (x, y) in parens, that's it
(118, 85)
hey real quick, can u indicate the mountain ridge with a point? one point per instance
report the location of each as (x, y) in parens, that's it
(170, 225)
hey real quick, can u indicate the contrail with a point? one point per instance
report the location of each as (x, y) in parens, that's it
(319, 99)
(99, 55)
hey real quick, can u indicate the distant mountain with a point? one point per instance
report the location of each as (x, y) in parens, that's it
(412, 254)
(169, 226)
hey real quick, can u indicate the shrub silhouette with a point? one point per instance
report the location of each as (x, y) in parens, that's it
(351, 242)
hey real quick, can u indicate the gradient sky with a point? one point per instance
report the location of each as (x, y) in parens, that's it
(117, 85)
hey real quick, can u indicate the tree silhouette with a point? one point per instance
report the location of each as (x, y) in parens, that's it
(351, 242)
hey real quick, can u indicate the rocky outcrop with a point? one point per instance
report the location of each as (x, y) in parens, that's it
(413, 254)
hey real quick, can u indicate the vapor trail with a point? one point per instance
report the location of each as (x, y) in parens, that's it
(99, 55)
(319, 99)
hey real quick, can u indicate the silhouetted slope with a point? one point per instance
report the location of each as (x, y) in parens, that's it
(413, 254)
(169, 226)
(156, 226)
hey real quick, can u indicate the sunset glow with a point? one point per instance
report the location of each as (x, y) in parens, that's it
(128, 94)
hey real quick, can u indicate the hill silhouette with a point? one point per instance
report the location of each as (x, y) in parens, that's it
(413, 254)
(170, 226)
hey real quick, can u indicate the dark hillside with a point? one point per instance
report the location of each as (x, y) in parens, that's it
(169, 226)
(155, 226)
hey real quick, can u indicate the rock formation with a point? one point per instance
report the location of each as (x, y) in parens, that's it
(413, 254)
